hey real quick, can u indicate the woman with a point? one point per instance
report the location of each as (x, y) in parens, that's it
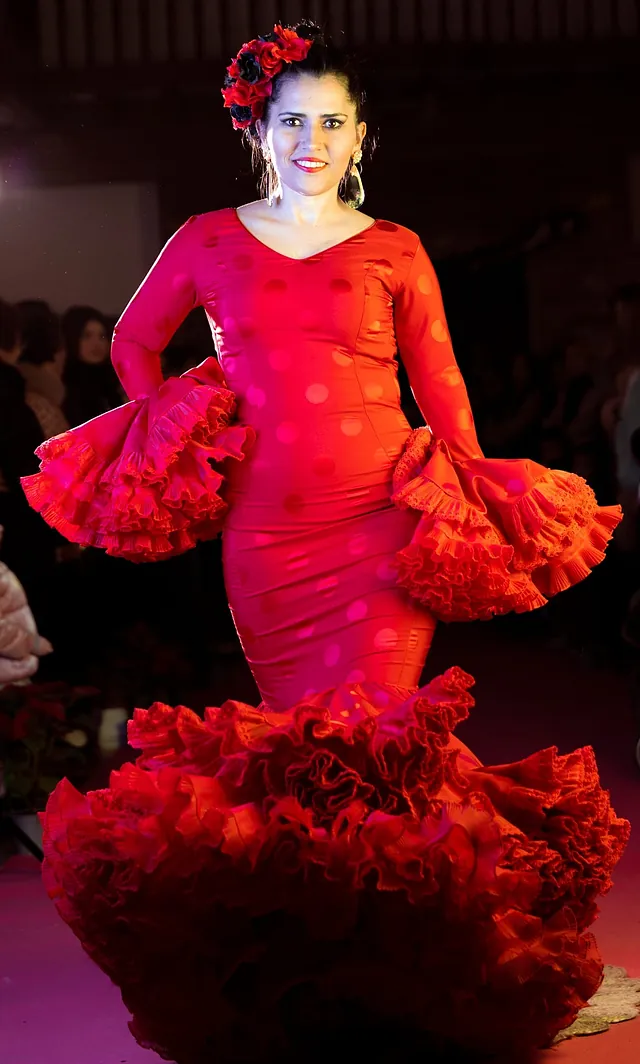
(335, 861)
(28, 547)
(20, 644)
(90, 383)
(41, 365)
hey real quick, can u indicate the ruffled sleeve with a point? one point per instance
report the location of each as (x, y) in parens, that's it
(138, 481)
(494, 535)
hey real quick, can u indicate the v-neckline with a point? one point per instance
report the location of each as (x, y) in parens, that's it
(306, 258)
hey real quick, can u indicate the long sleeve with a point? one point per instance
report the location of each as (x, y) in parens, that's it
(427, 354)
(158, 308)
(138, 481)
(495, 535)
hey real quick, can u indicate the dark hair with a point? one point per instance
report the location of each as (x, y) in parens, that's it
(91, 389)
(10, 330)
(41, 332)
(323, 57)
(74, 322)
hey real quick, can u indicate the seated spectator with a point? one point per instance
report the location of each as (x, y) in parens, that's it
(92, 386)
(20, 643)
(626, 432)
(41, 364)
(625, 306)
(510, 407)
(577, 413)
(29, 545)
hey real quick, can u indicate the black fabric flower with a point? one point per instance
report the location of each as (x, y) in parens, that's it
(229, 81)
(241, 114)
(308, 30)
(249, 67)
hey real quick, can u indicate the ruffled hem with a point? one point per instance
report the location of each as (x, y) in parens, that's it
(494, 536)
(255, 875)
(137, 481)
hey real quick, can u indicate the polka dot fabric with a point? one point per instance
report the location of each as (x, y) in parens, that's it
(309, 351)
(339, 826)
(321, 532)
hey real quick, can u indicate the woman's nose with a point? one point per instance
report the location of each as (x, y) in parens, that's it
(313, 138)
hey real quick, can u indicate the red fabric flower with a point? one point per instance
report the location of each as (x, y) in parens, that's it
(349, 858)
(289, 46)
(248, 80)
(270, 57)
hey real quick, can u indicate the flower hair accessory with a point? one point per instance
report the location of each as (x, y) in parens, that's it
(248, 82)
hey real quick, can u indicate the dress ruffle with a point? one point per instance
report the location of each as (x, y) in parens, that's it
(137, 481)
(257, 879)
(495, 535)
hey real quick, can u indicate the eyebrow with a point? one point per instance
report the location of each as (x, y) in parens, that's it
(297, 114)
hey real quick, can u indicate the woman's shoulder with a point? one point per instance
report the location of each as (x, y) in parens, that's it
(211, 221)
(199, 227)
(405, 239)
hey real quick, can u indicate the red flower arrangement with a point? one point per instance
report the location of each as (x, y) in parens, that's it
(249, 77)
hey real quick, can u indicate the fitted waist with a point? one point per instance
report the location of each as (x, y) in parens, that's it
(301, 477)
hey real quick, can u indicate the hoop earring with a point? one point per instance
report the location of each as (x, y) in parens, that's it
(354, 188)
(274, 188)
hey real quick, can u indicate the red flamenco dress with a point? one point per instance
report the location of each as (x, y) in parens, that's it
(269, 879)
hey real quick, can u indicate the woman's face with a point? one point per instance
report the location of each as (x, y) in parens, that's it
(312, 121)
(94, 343)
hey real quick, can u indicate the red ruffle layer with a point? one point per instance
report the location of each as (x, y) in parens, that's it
(494, 535)
(256, 876)
(137, 481)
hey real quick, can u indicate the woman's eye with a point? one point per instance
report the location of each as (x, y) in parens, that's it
(332, 123)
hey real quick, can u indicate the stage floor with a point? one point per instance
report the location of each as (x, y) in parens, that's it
(56, 1007)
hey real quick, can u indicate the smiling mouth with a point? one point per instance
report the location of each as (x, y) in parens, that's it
(309, 165)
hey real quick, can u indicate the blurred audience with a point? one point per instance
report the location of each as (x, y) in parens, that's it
(90, 380)
(41, 364)
(28, 546)
(579, 391)
(625, 308)
(20, 644)
(511, 408)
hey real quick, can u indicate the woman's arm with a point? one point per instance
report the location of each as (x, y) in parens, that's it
(426, 351)
(162, 302)
(494, 535)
